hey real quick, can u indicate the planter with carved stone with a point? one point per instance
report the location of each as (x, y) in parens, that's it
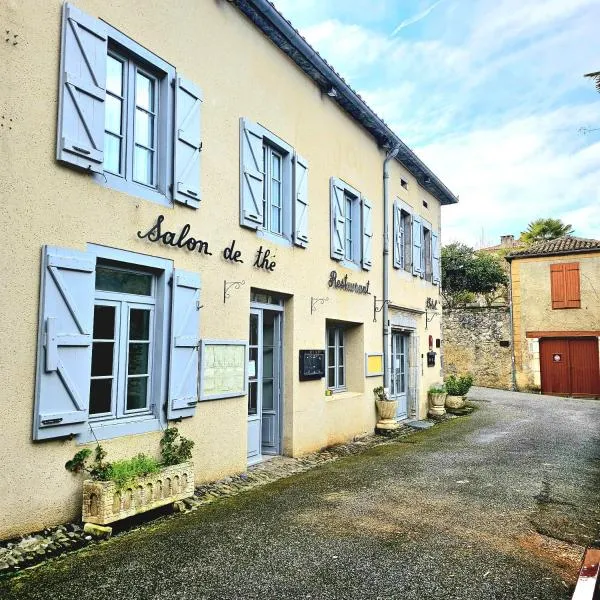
(104, 503)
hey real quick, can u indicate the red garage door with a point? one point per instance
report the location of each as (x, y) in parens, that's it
(569, 366)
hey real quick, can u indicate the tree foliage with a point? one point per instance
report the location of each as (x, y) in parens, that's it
(542, 230)
(466, 273)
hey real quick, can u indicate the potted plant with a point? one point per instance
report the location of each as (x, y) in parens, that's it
(457, 388)
(386, 409)
(128, 487)
(437, 397)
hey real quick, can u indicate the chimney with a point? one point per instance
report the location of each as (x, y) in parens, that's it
(507, 241)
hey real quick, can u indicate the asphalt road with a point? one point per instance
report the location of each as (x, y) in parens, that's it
(495, 505)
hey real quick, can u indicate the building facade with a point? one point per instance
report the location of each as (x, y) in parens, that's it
(197, 240)
(556, 316)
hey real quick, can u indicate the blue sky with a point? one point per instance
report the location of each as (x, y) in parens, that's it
(489, 93)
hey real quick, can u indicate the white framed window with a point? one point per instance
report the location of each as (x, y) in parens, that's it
(118, 343)
(273, 190)
(426, 262)
(123, 344)
(273, 186)
(351, 225)
(336, 358)
(125, 115)
(406, 245)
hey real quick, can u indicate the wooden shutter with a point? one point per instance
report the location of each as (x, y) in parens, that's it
(188, 145)
(185, 337)
(397, 236)
(300, 201)
(367, 233)
(82, 90)
(417, 243)
(251, 174)
(64, 343)
(337, 219)
(435, 258)
(564, 285)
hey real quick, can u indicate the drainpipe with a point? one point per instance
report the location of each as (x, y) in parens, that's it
(513, 366)
(386, 255)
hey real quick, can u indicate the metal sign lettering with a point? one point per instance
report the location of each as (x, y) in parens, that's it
(347, 286)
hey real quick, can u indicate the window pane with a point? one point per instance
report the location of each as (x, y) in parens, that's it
(252, 398)
(253, 352)
(341, 337)
(104, 322)
(276, 166)
(275, 193)
(112, 118)
(114, 75)
(102, 358)
(112, 154)
(331, 337)
(113, 280)
(268, 363)
(144, 91)
(341, 379)
(253, 330)
(331, 377)
(138, 359)
(330, 356)
(143, 167)
(137, 392)
(267, 398)
(139, 324)
(144, 128)
(100, 396)
(275, 219)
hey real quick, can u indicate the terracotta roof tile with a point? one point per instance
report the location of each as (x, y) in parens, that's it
(561, 245)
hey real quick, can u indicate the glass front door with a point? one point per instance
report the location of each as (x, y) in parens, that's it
(399, 373)
(264, 384)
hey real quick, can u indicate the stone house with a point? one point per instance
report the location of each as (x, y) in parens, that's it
(199, 239)
(555, 290)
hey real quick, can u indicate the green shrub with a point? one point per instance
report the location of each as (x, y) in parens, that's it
(437, 389)
(458, 386)
(380, 393)
(175, 451)
(125, 472)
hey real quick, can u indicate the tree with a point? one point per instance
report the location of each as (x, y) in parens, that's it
(466, 273)
(595, 76)
(542, 230)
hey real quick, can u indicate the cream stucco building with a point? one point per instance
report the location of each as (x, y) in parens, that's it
(193, 233)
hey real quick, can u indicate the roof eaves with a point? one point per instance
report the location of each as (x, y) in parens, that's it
(563, 252)
(282, 33)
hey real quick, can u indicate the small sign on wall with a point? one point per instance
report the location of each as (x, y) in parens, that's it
(373, 364)
(312, 364)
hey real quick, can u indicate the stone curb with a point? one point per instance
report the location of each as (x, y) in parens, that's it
(35, 548)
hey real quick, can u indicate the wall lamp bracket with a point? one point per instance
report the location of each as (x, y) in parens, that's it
(315, 301)
(228, 285)
(377, 309)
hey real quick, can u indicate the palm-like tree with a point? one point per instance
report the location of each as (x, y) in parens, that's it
(596, 77)
(545, 229)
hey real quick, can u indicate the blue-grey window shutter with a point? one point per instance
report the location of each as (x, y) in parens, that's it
(367, 234)
(82, 90)
(397, 236)
(337, 218)
(64, 358)
(417, 243)
(251, 174)
(435, 258)
(300, 201)
(185, 337)
(188, 145)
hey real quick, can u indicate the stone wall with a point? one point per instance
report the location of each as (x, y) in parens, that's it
(472, 344)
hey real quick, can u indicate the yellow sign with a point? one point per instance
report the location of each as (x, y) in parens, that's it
(373, 364)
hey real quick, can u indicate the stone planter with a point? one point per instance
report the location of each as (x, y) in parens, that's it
(104, 503)
(387, 410)
(455, 401)
(436, 404)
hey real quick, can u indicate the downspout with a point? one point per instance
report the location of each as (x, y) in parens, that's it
(386, 254)
(512, 329)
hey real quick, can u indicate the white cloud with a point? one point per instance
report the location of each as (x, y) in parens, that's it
(416, 18)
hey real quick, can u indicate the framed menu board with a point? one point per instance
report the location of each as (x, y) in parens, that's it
(312, 364)
(223, 369)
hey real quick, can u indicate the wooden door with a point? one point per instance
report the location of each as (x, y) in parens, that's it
(569, 366)
(585, 370)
